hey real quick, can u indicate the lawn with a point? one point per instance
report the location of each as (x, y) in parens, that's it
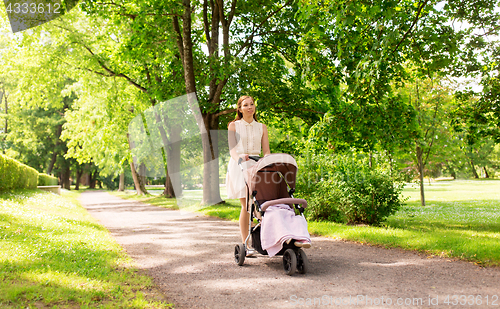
(461, 220)
(53, 254)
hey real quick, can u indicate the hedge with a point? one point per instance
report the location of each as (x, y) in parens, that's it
(47, 180)
(15, 175)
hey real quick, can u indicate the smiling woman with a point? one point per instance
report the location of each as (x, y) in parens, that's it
(247, 137)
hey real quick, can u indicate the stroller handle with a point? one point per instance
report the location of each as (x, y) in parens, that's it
(255, 158)
(284, 201)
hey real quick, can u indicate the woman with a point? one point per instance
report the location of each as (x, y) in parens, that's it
(246, 137)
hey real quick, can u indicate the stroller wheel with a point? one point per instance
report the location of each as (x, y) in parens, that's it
(289, 262)
(239, 254)
(302, 262)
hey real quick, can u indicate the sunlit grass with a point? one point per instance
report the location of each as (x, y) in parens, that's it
(156, 200)
(189, 201)
(229, 211)
(461, 219)
(53, 254)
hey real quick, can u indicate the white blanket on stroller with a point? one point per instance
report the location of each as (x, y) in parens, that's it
(280, 224)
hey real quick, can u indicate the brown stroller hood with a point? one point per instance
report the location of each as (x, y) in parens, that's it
(268, 177)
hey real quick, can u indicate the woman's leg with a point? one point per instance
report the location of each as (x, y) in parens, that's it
(244, 217)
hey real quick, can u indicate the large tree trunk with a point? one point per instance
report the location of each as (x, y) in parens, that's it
(173, 182)
(139, 183)
(54, 154)
(171, 153)
(169, 191)
(121, 185)
(52, 162)
(486, 175)
(79, 172)
(65, 181)
(420, 166)
(93, 179)
(211, 191)
(473, 168)
(207, 122)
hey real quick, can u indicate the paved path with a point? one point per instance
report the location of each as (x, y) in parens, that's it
(190, 258)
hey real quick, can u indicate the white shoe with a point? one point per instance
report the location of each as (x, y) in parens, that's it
(250, 252)
(302, 244)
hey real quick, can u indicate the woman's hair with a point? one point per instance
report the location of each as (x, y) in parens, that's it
(239, 115)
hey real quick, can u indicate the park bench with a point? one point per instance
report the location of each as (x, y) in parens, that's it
(54, 189)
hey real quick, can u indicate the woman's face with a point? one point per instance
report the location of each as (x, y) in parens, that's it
(247, 108)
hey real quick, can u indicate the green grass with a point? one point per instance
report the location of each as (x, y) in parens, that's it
(53, 254)
(461, 220)
(190, 201)
(156, 200)
(229, 211)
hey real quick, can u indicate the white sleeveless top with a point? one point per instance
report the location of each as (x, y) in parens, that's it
(249, 140)
(248, 137)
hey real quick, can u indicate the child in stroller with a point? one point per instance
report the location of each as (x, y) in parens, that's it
(270, 187)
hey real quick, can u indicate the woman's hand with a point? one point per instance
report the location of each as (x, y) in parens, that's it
(244, 157)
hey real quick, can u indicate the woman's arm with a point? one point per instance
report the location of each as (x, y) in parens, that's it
(233, 141)
(265, 141)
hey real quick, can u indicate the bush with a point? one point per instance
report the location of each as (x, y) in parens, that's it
(345, 189)
(47, 180)
(111, 182)
(15, 175)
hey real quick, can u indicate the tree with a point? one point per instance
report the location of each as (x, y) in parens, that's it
(366, 48)
(433, 104)
(216, 78)
(475, 120)
(96, 127)
(68, 44)
(38, 105)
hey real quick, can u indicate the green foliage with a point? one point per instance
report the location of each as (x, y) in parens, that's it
(286, 135)
(34, 134)
(344, 188)
(111, 182)
(476, 120)
(15, 175)
(47, 180)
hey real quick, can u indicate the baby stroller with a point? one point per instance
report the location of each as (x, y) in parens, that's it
(271, 181)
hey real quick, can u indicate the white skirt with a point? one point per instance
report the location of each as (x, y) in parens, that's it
(235, 183)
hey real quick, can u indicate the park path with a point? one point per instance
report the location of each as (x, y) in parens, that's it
(190, 258)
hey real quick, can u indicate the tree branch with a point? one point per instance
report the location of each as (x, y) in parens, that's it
(415, 20)
(225, 112)
(490, 32)
(250, 37)
(133, 16)
(109, 71)
(205, 23)
(180, 43)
